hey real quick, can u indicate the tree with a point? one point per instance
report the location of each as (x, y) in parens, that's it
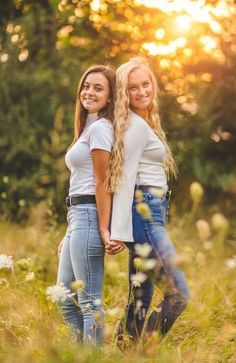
(44, 48)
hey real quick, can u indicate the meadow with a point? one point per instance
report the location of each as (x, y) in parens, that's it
(31, 326)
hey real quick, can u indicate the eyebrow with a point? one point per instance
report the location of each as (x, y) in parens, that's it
(96, 84)
(134, 84)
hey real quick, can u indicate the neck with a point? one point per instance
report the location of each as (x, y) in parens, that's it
(141, 112)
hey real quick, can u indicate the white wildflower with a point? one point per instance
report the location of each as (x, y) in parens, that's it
(57, 293)
(97, 302)
(136, 284)
(149, 264)
(6, 262)
(208, 245)
(231, 262)
(30, 276)
(143, 250)
(138, 278)
(203, 229)
(113, 311)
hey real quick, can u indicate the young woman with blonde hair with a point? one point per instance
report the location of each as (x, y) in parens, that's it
(140, 164)
(89, 204)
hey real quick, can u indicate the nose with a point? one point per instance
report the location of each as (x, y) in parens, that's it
(90, 91)
(141, 91)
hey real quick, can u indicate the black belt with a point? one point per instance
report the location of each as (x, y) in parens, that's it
(148, 188)
(80, 199)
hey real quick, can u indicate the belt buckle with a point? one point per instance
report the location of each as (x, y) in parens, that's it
(168, 195)
(68, 201)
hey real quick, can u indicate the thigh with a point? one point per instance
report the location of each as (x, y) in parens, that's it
(65, 273)
(153, 232)
(165, 250)
(87, 254)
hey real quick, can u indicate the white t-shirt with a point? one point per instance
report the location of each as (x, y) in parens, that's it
(144, 165)
(97, 134)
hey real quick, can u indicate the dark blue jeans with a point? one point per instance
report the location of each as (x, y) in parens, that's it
(152, 231)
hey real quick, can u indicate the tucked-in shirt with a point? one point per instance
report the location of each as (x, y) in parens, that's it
(144, 155)
(97, 134)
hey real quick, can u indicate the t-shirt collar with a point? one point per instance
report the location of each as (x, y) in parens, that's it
(91, 117)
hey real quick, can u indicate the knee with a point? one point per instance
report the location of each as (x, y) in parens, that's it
(184, 296)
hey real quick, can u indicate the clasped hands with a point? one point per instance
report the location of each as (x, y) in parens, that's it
(111, 247)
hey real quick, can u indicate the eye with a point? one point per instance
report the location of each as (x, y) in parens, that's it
(146, 84)
(85, 86)
(132, 88)
(98, 89)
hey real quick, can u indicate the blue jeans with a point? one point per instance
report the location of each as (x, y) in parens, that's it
(82, 258)
(176, 294)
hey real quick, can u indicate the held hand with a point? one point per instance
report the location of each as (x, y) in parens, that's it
(114, 247)
(59, 248)
(111, 247)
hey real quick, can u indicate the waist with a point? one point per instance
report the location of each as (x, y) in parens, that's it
(80, 199)
(155, 191)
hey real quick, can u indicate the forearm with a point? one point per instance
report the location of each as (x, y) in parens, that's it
(103, 200)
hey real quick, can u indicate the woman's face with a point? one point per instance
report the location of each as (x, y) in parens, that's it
(140, 89)
(95, 92)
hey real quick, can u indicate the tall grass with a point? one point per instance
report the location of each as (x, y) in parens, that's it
(32, 328)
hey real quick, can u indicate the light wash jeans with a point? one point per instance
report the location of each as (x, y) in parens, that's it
(82, 258)
(176, 294)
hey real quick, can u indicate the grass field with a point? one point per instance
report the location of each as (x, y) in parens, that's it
(31, 326)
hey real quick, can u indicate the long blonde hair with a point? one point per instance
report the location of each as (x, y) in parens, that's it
(121, 124)
(107, 111)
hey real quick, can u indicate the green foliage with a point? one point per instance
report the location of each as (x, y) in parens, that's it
(44, 48)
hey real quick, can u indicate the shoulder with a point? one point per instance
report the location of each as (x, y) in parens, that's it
(136, 124)
(101, 124)
(101, 128)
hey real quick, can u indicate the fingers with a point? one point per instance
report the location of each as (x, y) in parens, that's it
(113, 248)
(110, 252)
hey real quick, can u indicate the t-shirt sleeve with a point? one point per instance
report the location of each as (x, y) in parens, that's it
(101, 136)
(135, 141)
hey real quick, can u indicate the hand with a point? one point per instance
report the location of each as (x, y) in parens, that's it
(59, 248)
(114, 247)
(111, 247)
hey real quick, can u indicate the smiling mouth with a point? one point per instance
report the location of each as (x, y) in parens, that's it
(143, 98)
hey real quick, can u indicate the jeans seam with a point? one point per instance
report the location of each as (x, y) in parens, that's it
(87, 250)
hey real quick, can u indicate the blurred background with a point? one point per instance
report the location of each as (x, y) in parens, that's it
(46, 45)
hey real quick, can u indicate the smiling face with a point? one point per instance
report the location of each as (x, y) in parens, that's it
(140, 90)
(95, 92)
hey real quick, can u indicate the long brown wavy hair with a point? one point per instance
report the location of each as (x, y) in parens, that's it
(107, 111)
(121, 122)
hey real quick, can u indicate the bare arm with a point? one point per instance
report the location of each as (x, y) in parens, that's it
(103, 198)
